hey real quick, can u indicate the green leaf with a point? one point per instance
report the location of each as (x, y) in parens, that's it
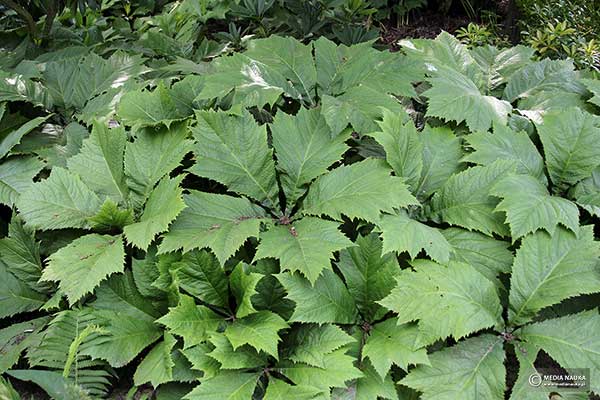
(490, 257)
(259, 330)
(465, 199)
(233, 150)
(498, 65)
(16, 87)
(192, 322)
(529, 206)
(10, 138)
(153, 154)
(21, 253)
(157, 367)
(453, 300)
(369, 275)
(310, 343)
(100, 162)
(471, 370)
(83, 264)
(162, 207)
(225, 386)
(15, 296)
(506, 144)
(145, 108)
(371, 387)
(228, 357)
(306, 246)
(389, 343)
(243, 286)
(305, 149)
(360, 190)
(455, 97)
(201, 276)
(280, 390)
(442, 153)
(16, 338)
(549, 269)
(570, 347)
(16, 177)
(219, 222)
(593, 86)
(201, 361)
(401, 233)
(52, 383)
(571, 142)
(328, 300)
(587, 193)
(110, 216)
(402, 145)
(338, 369)
(61, 201)
(545, 75)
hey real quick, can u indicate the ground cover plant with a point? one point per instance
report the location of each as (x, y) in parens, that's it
(304, 220)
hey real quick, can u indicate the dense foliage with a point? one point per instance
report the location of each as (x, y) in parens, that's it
(297, 220)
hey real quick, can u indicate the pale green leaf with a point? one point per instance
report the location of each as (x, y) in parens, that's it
(83, 264)
(233, 150)
(401, 233)
(10, 138)
(228, 357)
(16, 177)
(225, 386)
(327, 301)
(453, 300)
(305, 149)
(389, 343)
(110, 216)
(145, 108)
(201, 276)
(163, 206)
(593, 86)
(548, 269)
(361, 190)
(157, 367)
(259, 330)
(529, 206)
(471, 370)
(219, 222)
(280, 390)
(15, 296)
(61, 201)
(243, 286)
(571, 140)
(100, 162)
(310, 343)
(465, 199)
(306, 246)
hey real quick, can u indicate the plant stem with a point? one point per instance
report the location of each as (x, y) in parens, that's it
(24, 14)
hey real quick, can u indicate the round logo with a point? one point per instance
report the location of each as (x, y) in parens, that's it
(535, 380)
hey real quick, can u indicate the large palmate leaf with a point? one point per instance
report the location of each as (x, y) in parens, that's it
(453, 300)
(571, 140)
(402, 145)
(162, 207)
(569, 347)
(594, 87)
(306, 246)
(368, 275)
(529, 206)
(465, 199)
(61, 201)
(401, 233)
(498, 65)
(455, 97)
(506, 144)
(153, 154)
(219, 222)
(327, 301)
(361, 190)
(548, 269)
(83, 264)
(16, 177)
(233, 150)
(145, 108)
(389, 343)
(471, 370)
(100, 162)
(305, 148)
